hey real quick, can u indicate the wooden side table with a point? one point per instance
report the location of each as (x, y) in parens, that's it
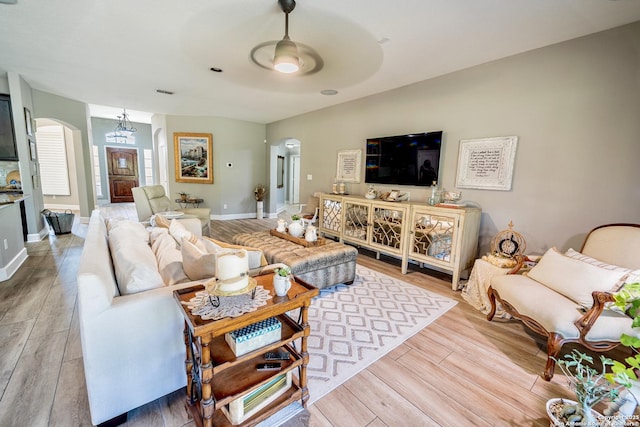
(194, 203)
(216, 377)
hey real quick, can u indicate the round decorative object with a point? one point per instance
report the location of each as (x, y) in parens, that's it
(212, 288)
(508, 247)
(13, 177)
(508, 243)
(296, 229)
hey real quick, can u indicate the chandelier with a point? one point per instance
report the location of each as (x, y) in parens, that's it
(124, 128)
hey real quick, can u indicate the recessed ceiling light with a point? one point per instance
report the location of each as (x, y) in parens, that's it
(329, 92)
(165, 92)
(216, 69)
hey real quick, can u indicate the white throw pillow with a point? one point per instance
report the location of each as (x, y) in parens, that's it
(256, 257)
(169, 259)
(197, 263)
(134, 263)
(178, 231)
(133, 227)
(629, 274)
(573, 278)
(156, 232)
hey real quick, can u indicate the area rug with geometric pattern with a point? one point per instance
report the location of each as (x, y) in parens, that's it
(354, 325)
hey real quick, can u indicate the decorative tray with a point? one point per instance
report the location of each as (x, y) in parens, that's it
(298, 240)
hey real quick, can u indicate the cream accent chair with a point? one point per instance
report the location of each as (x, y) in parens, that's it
(151, 200)
(550, 307)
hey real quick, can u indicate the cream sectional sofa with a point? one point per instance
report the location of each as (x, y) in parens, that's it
(132, 345)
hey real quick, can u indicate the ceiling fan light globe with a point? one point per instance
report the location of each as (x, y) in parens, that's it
(286, 59)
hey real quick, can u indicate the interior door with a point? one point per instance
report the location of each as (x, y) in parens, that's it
(295, 179)
(123, 173)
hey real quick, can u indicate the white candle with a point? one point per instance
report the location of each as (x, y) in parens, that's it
(232, 265)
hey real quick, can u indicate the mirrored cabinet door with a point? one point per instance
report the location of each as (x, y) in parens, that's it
(356, 221)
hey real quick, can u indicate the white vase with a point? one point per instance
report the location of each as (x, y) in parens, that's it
(281, 285)
(555, 422)
(296, 229)
(311, 234)
(259, 209)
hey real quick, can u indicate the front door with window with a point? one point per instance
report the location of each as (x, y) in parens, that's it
(123, 173)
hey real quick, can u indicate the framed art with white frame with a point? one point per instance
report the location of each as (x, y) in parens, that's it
(486, 164)
(349, 165)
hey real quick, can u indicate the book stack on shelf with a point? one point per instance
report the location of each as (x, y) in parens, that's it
(246, 406)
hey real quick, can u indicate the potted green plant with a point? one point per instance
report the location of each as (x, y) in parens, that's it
(282, 280)
(590, 385)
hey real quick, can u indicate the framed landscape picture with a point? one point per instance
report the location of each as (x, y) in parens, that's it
(193, 154)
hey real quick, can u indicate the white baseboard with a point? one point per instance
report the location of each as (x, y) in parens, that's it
(9, 270)
(62, 207)
(241, 216)
(233, 216)
(31, 238)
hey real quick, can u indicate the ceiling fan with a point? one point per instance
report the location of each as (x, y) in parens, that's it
(287, 56)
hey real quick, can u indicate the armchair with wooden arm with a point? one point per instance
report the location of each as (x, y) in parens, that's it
(556, 313)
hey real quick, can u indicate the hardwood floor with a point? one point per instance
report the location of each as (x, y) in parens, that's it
(459, 371)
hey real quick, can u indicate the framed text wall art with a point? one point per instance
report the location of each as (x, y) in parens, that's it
(486, 164)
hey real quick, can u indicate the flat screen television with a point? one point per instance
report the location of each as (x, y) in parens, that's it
(412, 159)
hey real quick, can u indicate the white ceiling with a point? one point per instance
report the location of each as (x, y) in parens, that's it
(116, 53)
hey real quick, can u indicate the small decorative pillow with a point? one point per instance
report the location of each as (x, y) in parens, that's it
(169, 259)
(133, 227)
(197, 263)
(180, 232)
(134, 263)
(571, 253)
(256, 257)
(161, 221)
(573, 278)
(156, 232)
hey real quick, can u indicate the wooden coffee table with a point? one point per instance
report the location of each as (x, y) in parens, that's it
(216, 377)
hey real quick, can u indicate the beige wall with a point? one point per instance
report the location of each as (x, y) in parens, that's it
(238, 142)
(72, 114)
(72, 201)
(575, 107)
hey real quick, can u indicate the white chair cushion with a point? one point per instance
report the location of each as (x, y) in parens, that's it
(573, 278)
(553, 311)
(134, 263)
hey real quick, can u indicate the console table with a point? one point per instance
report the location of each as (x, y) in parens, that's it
(216, 377)
(444, 238)
(194, 203)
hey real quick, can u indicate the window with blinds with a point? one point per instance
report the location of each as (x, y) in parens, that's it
(52, 156)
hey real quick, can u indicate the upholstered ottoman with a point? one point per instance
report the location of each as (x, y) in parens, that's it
(321, 266)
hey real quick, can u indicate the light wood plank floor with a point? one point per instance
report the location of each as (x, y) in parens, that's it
(459, 371)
